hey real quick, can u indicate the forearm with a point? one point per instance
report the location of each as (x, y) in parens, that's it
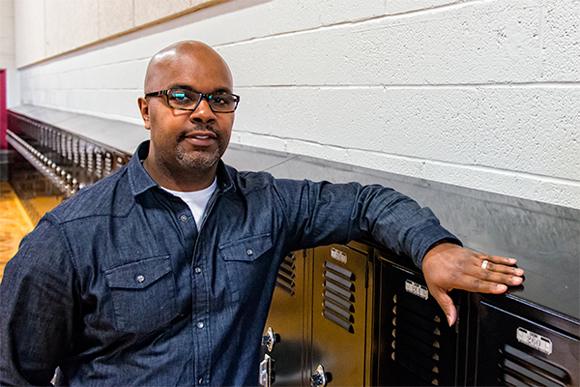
(402, 225)
(323, 213)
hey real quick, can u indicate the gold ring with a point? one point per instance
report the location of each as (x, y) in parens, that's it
(484, 264)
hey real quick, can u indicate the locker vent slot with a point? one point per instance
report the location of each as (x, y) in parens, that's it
(416, 341)
(339, 287)
(285, 278)
(522, 369)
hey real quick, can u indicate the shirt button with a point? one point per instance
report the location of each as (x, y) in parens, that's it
(183, 218)
(200, 381)
(197, 270)
(140, 278)
(249, 252)
(200, 325)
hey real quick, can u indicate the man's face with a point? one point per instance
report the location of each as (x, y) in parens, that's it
(184, 141)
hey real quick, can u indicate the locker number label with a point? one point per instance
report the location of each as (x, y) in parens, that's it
(338, 255)
(417, 289)
(531, 339)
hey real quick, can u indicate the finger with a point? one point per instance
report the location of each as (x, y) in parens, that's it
(494, 267)
(485, 281)
(497, 284)
(498, 264)
(492, 273)
(497, 259)
(446, 304)
(499, 275)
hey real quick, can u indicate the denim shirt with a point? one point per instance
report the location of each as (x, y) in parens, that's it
(117, 287)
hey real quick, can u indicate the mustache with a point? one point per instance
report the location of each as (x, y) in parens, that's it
(197, 128)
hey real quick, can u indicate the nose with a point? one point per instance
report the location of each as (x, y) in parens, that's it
(203, 112)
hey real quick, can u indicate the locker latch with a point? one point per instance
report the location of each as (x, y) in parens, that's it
(270, 339)
(320, 378)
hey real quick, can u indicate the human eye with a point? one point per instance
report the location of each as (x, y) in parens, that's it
(219, 99)
(182, 98)
(222, 100)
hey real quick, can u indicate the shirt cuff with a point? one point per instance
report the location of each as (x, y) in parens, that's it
(435, 238)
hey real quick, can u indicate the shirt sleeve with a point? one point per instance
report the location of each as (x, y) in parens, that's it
(325, 213)
(37, 309)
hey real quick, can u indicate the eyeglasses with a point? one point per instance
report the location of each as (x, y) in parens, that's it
(189, 100)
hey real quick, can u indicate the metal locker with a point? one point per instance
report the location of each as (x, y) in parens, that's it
(416, 345)
(283, 343)
(342, 298)
(522, 344)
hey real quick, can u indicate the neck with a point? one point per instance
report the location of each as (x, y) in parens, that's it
(183, 181)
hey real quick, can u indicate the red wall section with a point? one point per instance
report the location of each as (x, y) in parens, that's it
(3, 117)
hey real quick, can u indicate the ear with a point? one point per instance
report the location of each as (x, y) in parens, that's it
(144, 109)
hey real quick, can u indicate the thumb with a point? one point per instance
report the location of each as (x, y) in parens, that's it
(446, 303)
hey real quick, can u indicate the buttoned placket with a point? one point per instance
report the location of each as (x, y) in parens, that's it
(199, 321)
(201, 333)
(199, 296)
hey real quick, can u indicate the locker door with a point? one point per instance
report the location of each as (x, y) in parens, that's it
(520, 344)
(342, 295)
(417, 347)
(287, 323)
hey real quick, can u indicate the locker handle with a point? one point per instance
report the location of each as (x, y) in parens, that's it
(266, 377)
(270, 338)
(320, 378)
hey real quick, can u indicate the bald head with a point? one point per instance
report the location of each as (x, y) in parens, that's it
(183, 58)
(186, 144)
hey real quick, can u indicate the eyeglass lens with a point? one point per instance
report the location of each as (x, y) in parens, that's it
(187, 99)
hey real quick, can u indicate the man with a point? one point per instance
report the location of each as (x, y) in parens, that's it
(162, 274)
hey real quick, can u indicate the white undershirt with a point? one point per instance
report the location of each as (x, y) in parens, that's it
(196, 200)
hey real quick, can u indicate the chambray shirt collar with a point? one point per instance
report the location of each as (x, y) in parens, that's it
(140, 180)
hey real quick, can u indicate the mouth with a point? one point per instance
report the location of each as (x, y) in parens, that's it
(200, 137)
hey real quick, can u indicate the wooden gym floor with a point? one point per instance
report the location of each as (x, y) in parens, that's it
(14, 224)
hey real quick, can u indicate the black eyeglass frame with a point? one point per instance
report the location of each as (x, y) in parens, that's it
(201, 96)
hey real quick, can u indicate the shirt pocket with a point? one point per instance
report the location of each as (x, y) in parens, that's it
(143, 294)
(244, 268)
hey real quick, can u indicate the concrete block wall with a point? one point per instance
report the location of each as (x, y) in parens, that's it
(478, 93)
(6, 34)
(52, 27)
(8, 52)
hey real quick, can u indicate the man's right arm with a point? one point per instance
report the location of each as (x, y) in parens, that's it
(37, 307)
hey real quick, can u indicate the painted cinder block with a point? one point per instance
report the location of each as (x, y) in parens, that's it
(561, 41)
(340, 11)
(501, 128)
(29, 35)
(462, 44)
(481, 94)
(114, 22)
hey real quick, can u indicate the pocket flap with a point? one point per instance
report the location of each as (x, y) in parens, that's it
(246, 249)
(138, 275)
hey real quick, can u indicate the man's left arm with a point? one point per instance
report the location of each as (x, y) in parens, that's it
(448, 266)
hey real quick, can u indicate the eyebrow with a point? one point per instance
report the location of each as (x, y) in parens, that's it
(189, 88)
